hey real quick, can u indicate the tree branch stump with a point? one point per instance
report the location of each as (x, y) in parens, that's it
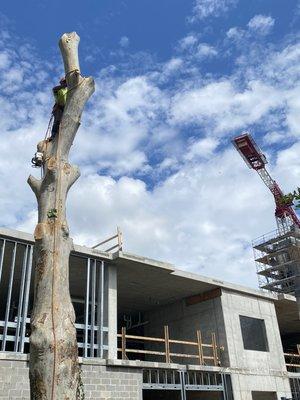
(54, 368)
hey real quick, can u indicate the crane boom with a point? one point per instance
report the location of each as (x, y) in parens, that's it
(255, 159)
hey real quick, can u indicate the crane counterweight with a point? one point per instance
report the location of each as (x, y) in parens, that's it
(250, 152)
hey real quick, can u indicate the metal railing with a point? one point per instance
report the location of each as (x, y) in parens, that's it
(275, 234)
(266, 237)
(201, 348)
(181, 382)
(295, 387)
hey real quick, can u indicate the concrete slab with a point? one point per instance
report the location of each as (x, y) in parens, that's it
(144, 283)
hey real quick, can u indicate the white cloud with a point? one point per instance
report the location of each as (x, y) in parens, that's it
(261, 24)
(188, 42)
(121, 116)
(199, 199)
(223, 107)
(202, 148)
(192, 47)
(274, 137)
(210, 8)
(171, 66)
(204, 50)
(124, 41)
(235, 33)
(190, 213)
(4, 60)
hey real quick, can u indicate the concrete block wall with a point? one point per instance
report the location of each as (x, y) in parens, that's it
(14, 379)
(109, 383)
(101, 382)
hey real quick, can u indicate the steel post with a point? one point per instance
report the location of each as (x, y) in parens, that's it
(9, 293)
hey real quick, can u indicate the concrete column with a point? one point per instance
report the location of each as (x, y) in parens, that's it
(112, 317)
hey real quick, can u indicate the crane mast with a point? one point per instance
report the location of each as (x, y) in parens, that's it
(277, 254)
(285, 216)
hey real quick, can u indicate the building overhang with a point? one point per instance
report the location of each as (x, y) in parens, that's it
(144, 283)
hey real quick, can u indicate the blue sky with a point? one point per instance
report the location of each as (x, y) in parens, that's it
(175, 81)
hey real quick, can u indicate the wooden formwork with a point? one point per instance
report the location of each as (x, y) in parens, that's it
(167, 342)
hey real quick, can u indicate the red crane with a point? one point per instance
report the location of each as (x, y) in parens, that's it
(255, 159)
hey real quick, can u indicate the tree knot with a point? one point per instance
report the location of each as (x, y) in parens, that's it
(52, 213)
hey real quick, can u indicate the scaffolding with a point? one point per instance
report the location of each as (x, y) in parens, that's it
(277, 258)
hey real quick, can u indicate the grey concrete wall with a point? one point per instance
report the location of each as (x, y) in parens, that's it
(251, 370)
(184, 321)
(244, 385)
(101, 382)
(254, 370)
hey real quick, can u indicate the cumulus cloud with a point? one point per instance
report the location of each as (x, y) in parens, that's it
(189, 213)
(205, 50)
(258, 26)
(261, 24)
(223, 107)
(187, 42)
(202, 148)
(210, 8)
(124, 41)
(155, 154)
(193, 48)
(121, 116)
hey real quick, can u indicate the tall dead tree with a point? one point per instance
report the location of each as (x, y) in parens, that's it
(54, 368)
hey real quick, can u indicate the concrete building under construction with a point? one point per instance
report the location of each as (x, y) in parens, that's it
(147, 330)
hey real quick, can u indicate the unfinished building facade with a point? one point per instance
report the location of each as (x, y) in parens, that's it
(147, 330)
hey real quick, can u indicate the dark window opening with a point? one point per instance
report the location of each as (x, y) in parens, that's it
(254, 334)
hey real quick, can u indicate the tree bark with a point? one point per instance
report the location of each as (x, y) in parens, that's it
(54, 368)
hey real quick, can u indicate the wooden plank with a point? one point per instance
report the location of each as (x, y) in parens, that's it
(199, 298)
(200, 349)
(292, 355)
(105, 241)
(146, 338)
(124, 357)
(215, 350)
(158, 353)
(167, 344)
(156, 339)
(183, 355)
(167, 341)
(183, 342)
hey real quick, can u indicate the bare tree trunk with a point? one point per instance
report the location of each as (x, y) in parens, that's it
(54, 368)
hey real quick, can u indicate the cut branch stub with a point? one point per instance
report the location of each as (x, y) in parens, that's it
(68, 45)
